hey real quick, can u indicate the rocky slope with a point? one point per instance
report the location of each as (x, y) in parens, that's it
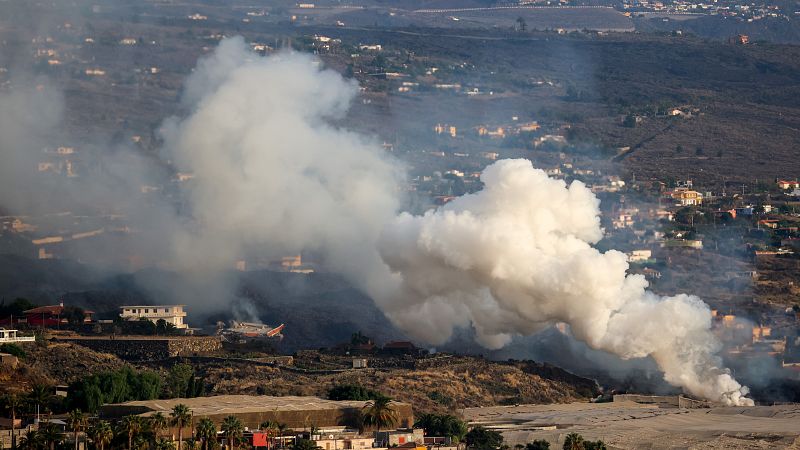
(446, 384)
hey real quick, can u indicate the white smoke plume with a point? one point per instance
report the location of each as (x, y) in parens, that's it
(273, 177)
(517, 257)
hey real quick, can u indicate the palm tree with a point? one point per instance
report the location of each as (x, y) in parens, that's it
(205, 431)
(158, 422)
(538, 444)
(131, 426)
(76, 421)
(232, 427)
(594, 445)
(282, 428)
(40, 395)
(13, 404)
(181, 416)
(141, 443)
(101, 434)
(33, 440)
(379, 413)
(304, 444)
(164, 444)
(270, 428)
(50, 435)
(573, 441)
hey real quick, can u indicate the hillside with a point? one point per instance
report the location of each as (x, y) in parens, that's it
(473, 383)
(318, 309)
(456, 383)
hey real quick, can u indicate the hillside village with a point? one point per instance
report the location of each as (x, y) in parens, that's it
(699, 204)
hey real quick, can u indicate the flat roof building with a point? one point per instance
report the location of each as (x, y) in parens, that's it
(10, 337)
(252, 410)
(173, 314)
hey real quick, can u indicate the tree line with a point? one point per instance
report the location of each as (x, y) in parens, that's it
(126, 385)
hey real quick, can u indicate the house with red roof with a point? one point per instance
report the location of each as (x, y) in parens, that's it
(51, 316)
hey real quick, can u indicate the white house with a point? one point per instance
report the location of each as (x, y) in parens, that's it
(10, 336)
(640, 255)
(173, 314)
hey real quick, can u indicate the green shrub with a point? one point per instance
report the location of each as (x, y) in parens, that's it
(353, 392)
(123, 385)
(13, 349)
(480, 438)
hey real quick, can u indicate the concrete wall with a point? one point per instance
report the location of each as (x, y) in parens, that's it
(671, 401)
(659, 400)
(5, 437)
(298, 419)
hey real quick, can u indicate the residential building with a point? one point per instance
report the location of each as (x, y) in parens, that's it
(50, 316)
(399, 437)
(528, 127)
(685, 243)
(402, 348)
(445, 129)
(687, 197)
(342, 441)
(640, 255)
(173, 314)
(761, 332)
(623, 220)
(788, 184)
(294, 264)
(494, 132)
(652, 274)
(11, 337)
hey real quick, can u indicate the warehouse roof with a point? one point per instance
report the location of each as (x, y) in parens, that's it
(228, 404)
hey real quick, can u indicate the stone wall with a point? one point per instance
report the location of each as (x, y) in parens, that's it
(149, 348)
(194, 345)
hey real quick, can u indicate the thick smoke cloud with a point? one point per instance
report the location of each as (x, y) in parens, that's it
(517, 257)
(272, 175)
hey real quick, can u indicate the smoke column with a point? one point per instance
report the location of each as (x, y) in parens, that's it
(273, 177)
(517, 257)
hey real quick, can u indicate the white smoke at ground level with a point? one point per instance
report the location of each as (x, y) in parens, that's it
(517, 257)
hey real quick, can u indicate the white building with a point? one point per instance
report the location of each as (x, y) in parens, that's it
(10, 336)
(640, 255)
(173, 314)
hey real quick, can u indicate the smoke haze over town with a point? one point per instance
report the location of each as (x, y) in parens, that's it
(407, 184)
